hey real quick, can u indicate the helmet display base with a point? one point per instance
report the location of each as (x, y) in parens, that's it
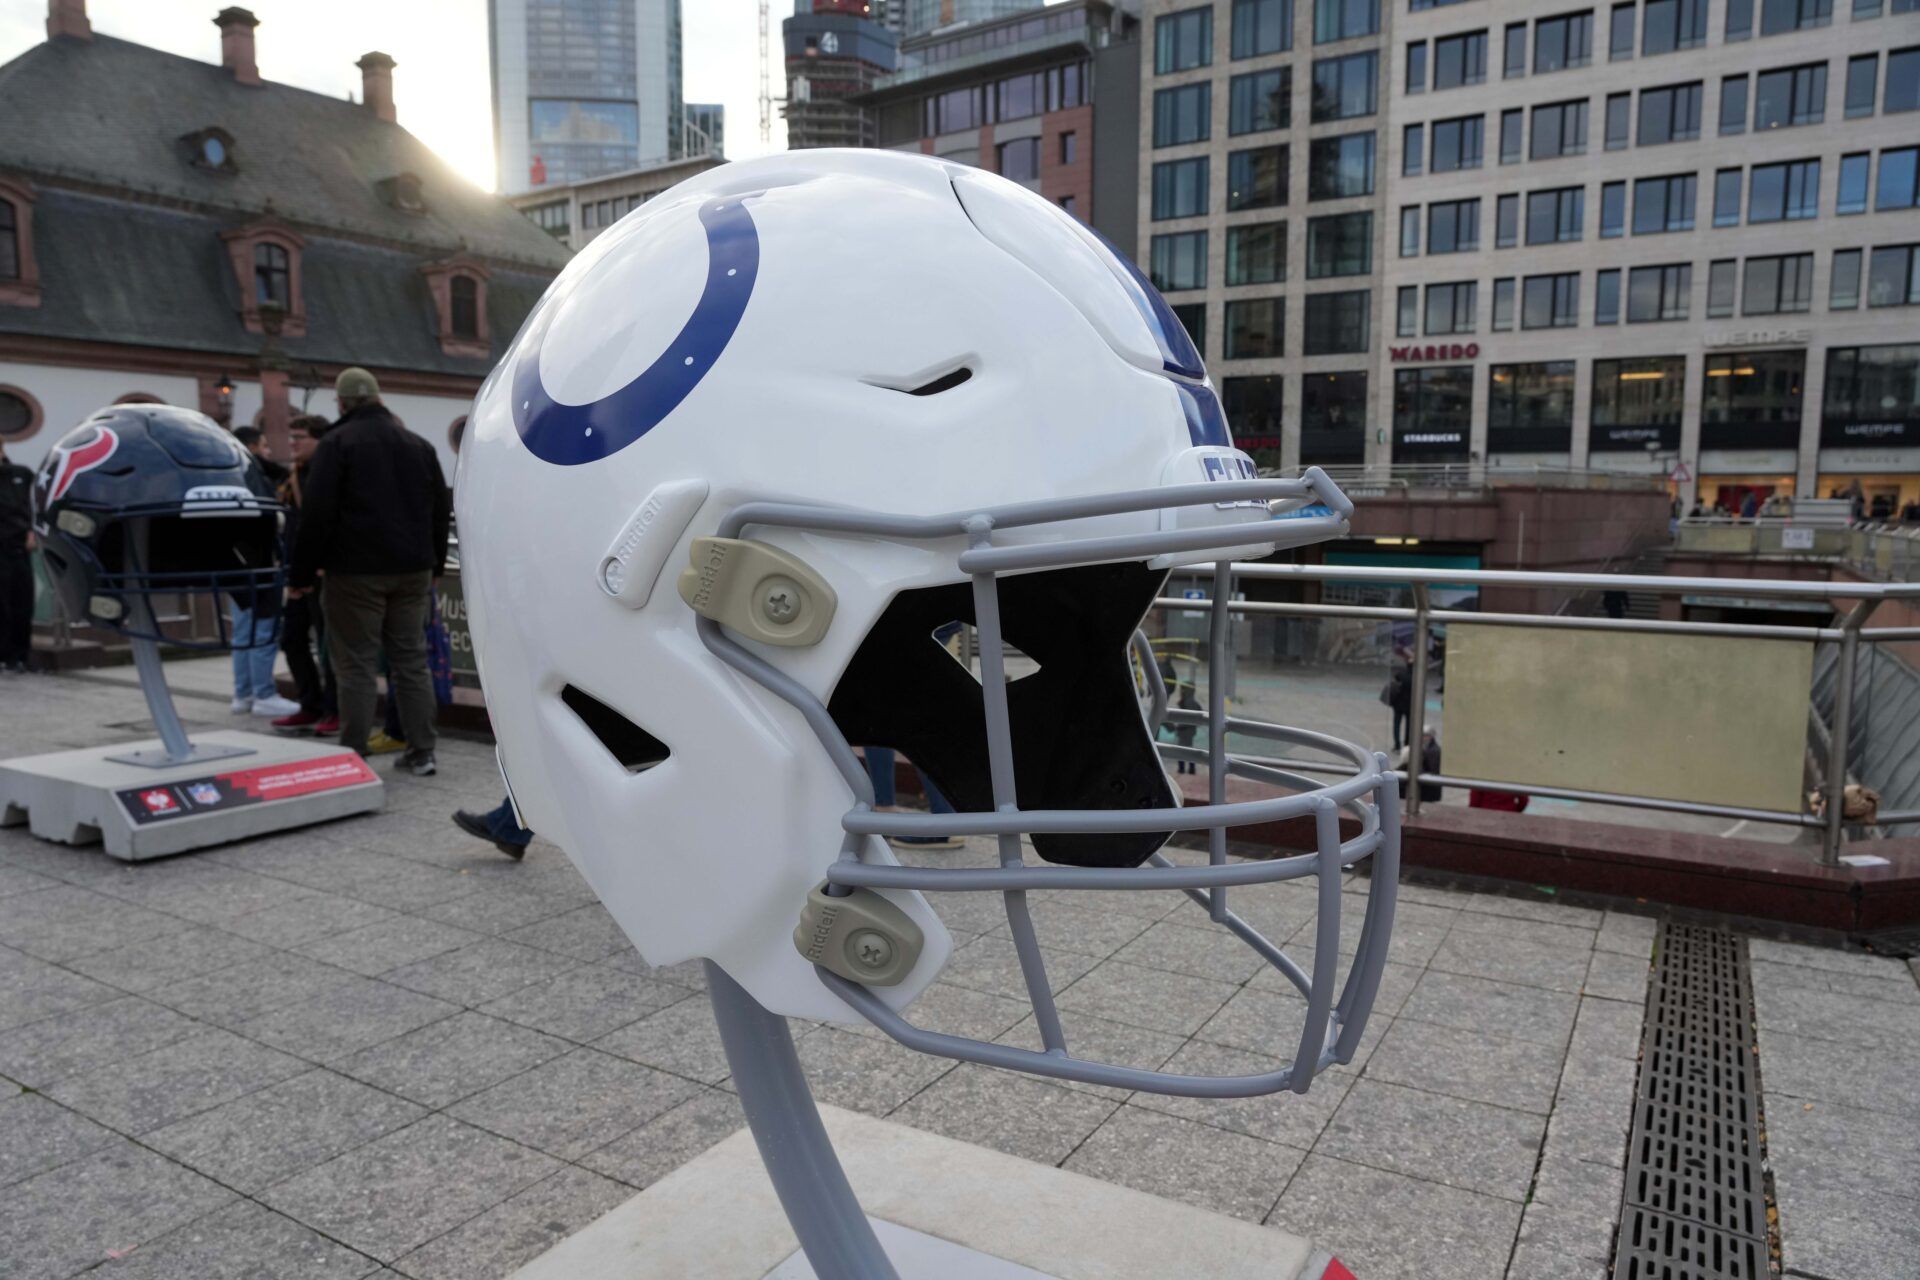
(159, 807)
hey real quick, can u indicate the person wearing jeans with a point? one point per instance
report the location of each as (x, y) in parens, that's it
(255, 632)
(498, 825)
(880, 761)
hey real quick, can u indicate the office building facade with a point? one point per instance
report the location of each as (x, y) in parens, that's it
(1673, 236)
(834, 56)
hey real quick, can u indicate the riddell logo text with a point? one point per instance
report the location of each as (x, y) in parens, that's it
(822, 934)
(1442, 351)
(710, 575)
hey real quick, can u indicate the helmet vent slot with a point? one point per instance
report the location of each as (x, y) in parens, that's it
(625, 741)
(961, 640)
(945, 382)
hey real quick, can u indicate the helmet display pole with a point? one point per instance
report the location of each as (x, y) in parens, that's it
(800, 1160)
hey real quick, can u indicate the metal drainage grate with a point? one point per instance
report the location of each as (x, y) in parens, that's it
(1695, 1206)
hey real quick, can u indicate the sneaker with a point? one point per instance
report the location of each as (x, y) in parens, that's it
(326, 727)
(379, 744)
(242, 705)
(419, 763)
(475, 825)
(275, 707)
(299, 722)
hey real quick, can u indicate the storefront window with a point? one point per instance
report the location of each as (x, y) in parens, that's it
(1253, 413)
(1333, 418)
(1432, 412)
(1752, 400)
(1637, 403)
(1873, 396)
(1530, 408)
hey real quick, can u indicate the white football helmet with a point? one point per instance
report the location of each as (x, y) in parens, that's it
(764, 438)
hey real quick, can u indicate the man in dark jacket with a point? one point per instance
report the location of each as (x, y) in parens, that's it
(374, 522)
(16, 565)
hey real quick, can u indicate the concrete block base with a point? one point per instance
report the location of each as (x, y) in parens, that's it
(942, 1208)
(245, 785)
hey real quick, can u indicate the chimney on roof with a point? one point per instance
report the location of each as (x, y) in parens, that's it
(68, 18)
(376, 84)
(236, 43)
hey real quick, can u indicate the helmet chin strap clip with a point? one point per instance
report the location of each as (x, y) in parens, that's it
(758, 590)
(861, 937)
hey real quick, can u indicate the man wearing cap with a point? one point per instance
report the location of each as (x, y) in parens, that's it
(373, 535)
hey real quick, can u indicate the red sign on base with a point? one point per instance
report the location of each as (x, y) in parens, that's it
(245, 787)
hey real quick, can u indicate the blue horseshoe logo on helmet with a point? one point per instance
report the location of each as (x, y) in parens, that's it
(570, 434)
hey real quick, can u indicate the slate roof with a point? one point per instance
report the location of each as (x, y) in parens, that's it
(126, 230)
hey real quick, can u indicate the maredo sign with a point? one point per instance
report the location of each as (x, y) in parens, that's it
(1441, 351)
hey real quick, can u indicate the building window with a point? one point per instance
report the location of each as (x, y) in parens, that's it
(1344, 20)
(1559, 129)
(1406, 321)
(1562, 43)
(1613, 210)
(1193, 318)
(1726, 198)
(1664, 204)
(1721, 283)
(1903, 81)
(1184, 40)
(1872, 394)
(1453, 226)
(1752, 400)
(1417, 67)
(1778, 16)
(1337, 323)
(1432, 410)
(1852, 196)
(1339, 245)
(1513, 127)
(1733, 105)
(1556, 217)
(1793, 96)
(1410, 231)
(1020, 159)
(1413, 152)
(1182, 114)
(1180, 188)
(1262, 27)
(1344, 88)
(1340, 167)
(9, 241)
(1863, 84)
(1671, 114)
(1513, 64)
(1260, 100)
(1550, 302)
(1784, 192)
(1899, 184)
(1893, 277)
(1844, 294)
(1606, 297)
(1256, 329)
(1506, 222)
(1178, 261)
(1673, 24)
(1257, 253)
(1503, 298)
(465, 303)
(1253, 412)
(1619, 121)
(1739, 20)
(1778, 285)
(1257, 179)
(1620, 32)
(1457, 143)
(1638, 402)
(1460, 60)
(1451, 308)
(1069, 147)
(272, 277)
(1333, 418)
(1658, 293)
(1530, 407)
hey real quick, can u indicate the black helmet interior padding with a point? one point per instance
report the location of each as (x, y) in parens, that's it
(1079, 740)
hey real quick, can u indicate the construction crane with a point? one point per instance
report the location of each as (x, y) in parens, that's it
(766, 82)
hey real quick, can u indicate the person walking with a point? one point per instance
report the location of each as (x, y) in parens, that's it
(301, 630)
(1398, 695)
(256, 618)
(497, 825)
(16, 564)
(375, 522)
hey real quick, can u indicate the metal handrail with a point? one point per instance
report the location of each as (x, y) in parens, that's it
(1854, 601)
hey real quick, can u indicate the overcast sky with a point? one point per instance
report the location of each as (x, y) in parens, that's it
(440, 85)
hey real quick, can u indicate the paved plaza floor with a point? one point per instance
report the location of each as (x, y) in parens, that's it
(379, 1048)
